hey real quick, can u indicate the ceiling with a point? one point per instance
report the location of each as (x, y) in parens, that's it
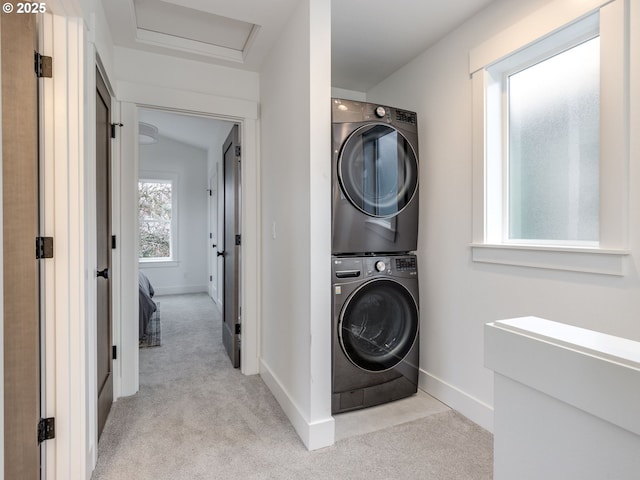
(369, 44)
(198, 131)
(370, 38)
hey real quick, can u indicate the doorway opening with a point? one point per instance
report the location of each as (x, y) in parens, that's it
(182, 199)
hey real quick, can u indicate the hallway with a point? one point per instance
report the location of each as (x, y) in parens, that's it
(195, 417)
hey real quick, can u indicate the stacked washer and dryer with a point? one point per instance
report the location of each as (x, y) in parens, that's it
(374, 274)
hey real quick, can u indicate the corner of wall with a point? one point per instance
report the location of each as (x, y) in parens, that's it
(314, 435)
(474, 409)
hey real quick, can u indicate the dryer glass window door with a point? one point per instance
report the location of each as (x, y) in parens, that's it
(378, 325)
(378, 170)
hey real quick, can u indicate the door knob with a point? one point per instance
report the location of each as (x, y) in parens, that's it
(221, 254)
(103, 273)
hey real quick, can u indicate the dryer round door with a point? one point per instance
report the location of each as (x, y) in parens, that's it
(378, 170)
(378, 325)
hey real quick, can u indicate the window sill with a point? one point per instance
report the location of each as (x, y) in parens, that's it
(157, 263)
(572, 259)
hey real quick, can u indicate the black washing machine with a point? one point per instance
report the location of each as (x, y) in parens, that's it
(375, 330)
(374, 177)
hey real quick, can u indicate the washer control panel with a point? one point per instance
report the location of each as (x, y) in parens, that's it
(401, 266)
(353, 268)
(377, 266)
(406, 264)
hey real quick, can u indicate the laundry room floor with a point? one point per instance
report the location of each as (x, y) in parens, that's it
(372, 419)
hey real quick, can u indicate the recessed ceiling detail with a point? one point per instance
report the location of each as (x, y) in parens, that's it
(190, 30)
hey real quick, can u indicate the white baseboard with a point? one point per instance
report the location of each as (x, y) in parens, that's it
(314, 435)
(180, 289)
(472, 408)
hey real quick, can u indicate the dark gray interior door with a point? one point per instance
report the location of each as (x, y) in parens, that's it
(231, 253)
(103, 250)
(20, 228)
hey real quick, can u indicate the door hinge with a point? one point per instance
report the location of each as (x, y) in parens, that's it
(114, 242)
(114, 352)
(44, 247)
(43, 66)
(238, 150)
(238, 328)
(113, 129)
(238, 240)
(211, 278)
(46, 429)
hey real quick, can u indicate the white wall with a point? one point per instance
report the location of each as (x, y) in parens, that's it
(214, 169)
(162, 71)
(348, 94)
(458, 296)
(189, 273)
(295, 128)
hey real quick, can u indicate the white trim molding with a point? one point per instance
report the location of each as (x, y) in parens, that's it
(473, 408)
(314, 435)
(69, 273)
(586, 260)
(535, 27)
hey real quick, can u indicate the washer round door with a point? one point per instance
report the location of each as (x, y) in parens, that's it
(378, 170)
(378, 325)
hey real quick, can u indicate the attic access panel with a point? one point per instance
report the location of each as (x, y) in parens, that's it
(188, 29)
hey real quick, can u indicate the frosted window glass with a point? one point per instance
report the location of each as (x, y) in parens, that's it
(554, 146)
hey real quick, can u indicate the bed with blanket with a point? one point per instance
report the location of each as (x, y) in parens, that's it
(147, 305)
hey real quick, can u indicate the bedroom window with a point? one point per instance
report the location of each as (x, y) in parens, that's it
(157, 219)
(550, 137)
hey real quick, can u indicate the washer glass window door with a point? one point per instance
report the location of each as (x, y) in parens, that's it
(378, 325)
(378, 170)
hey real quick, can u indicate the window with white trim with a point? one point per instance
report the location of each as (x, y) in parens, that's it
(545, 140)
(549, 120)
(157, 219)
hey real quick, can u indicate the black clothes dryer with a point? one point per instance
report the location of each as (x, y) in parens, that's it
(375, 330)
(374, 177)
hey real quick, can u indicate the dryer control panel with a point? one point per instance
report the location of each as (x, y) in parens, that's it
(346, 111)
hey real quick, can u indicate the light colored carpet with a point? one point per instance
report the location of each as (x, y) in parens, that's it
(195, 417)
